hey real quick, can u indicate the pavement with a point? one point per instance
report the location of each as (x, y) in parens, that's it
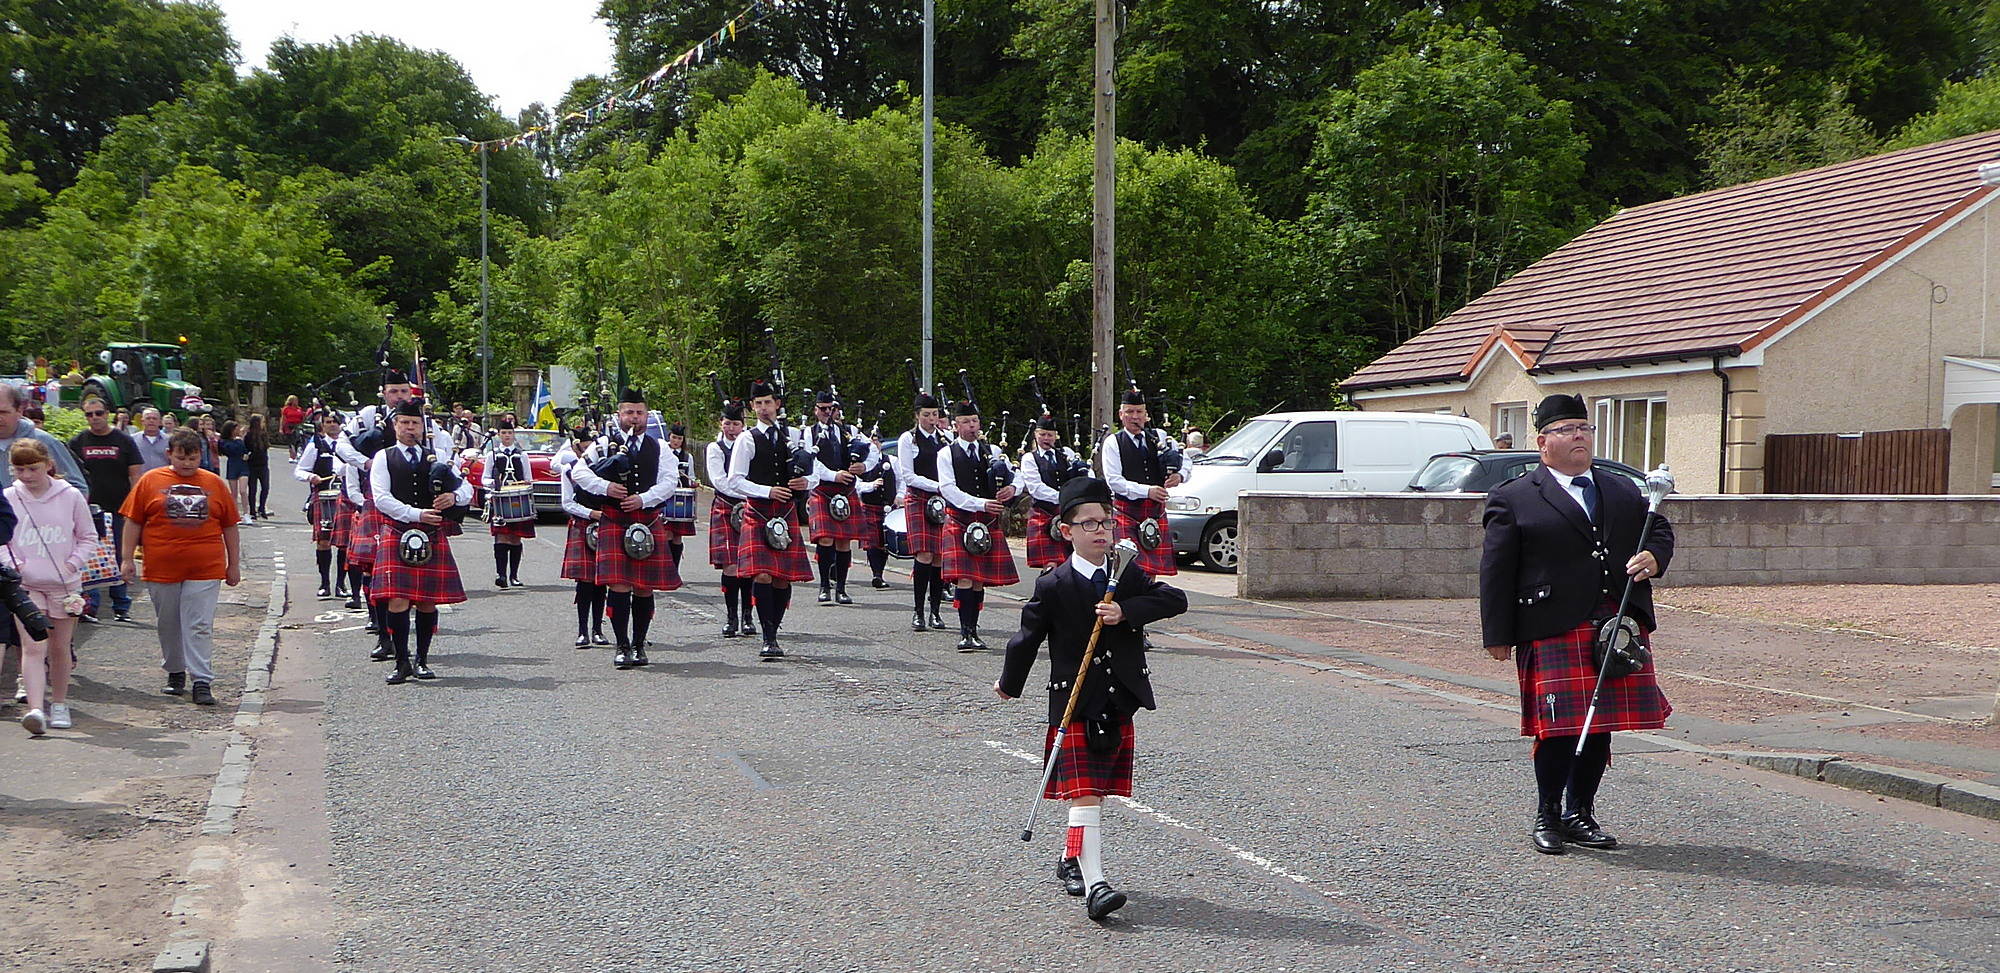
(1323, 788)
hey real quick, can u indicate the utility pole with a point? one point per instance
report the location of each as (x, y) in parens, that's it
(485, 345)
(1103, 218)
(930, 96)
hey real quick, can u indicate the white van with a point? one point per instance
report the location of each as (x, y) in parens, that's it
(1317, 452)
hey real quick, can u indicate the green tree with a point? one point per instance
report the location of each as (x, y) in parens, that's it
(1963, 108)
(1754, 138)
(1442, 171)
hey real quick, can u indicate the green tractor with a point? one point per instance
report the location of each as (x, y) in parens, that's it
(137, 375)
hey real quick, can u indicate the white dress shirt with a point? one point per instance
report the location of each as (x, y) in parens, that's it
(665, 476)
(826, 430)
(386, 501)
(569, 504)
(489, 475)
(350, 480)
(1576, 492)
(1114, 466)
(961, 454)
(906, 458)
(309, 458)
(367, 418)
(718, 469)
(1031, 474)
(737, 482)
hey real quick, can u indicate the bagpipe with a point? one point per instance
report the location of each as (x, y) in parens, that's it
(798, 458)
(614, 462)
(1070, 464)
(855, 445)
(376, 437)
(1167, 447)
(999, 470)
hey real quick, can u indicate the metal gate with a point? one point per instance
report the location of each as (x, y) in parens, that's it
(1906, 461)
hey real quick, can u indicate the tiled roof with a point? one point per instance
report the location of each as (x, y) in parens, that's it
(1715, 272)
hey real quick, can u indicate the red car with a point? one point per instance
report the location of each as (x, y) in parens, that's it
(541, 446)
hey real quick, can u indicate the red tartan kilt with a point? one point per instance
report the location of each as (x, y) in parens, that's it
(1131, 513)
(1044, 550)
(755, 557)
(1560, 666)
(871, 517)
(827, 530)
(343, 524)
(994, 569)
(721, 539)
(365, 535)
(435, 583)
(524, 528)
(1083, 772)
(678, 528)
(579, 561)
(656, 573)
(922, 536)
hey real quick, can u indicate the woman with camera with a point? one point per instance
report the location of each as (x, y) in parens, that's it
(53, 539)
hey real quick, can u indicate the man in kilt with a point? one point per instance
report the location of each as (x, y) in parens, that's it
(1553, 568)
(1139, 479)
(836, 518)
(1043, 472)
(917, 466)
(631, 471)
(679, 530)
(978, 483)
(321, 470)
(369, 429)
(402, 478)
(1096, 759)
(876, 490)
(580, 558)
(506, 465)
(724, 517)
(768, 550)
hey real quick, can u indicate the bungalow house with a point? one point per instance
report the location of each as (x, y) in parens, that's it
(1828, 331)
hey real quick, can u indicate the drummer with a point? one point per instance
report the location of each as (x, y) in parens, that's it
(507, 473)
(321, 471)
(723, 512)
(680, 508)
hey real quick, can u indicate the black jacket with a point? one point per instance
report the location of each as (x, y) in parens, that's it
(1545, 570)
(1063, 612)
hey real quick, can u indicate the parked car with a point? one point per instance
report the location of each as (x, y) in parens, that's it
(1477, 471)
(541, 446)
(1313, 452)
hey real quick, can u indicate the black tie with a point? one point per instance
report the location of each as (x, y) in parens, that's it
(1102, 580)
(412, 454)
(1589, 487)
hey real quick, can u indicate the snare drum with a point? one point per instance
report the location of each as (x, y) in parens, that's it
(895, 538)
(326, 508)
(511, 504)
(680, 506)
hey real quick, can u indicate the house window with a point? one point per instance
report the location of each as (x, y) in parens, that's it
(1511, 419)
(1633, 430)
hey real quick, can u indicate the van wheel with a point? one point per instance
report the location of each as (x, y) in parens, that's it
(1218, 544)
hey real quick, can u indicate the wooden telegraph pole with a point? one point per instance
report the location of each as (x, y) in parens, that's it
(1103, 213)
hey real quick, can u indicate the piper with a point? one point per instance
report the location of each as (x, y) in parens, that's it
(627, 467)
(840, 457)
(725, 513)
(1140, 468)
(978, 484)
(413, 564)
(917, 466)
(768, 551)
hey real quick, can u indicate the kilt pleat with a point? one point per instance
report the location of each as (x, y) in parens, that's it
(921, 536)
(825, 529)
(993, 569)
(579, 561)
(614, 567)
(435, 583)
(721, 538)
(1044, 550)
(1083, 772)
(755, 556)
(523, 528)
(366, 536)
(1159, 561)
(872, 516)
(343, 524)
(1556, 676)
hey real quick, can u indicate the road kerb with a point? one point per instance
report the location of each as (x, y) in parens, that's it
(1915, 786)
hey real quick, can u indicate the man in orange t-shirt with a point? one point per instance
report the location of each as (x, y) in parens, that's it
(185, 518)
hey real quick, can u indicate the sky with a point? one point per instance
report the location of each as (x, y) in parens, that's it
(518, 51)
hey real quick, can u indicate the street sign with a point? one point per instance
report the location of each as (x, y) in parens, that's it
(252, 370)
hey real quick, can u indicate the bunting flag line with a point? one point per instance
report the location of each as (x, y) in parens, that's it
(703, 49)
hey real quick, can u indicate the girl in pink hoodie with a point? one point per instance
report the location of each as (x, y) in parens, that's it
(51, 544)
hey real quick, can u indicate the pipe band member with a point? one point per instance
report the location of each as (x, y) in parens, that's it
(760, 472)
(1549, 573)
(677, 450)
(506, 465)
(722, 511)
(836, 471)
(404, 476)
(1043, 472)
(1135, 468)
(978, 484)
(628, 468)
(1096, 759)
(320, 469)
(917, 466)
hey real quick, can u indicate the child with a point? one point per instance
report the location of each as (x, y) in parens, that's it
(53, 539)
(1096, 758)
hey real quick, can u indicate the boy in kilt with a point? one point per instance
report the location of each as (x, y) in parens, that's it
(917, 466)
(978, 484)
(402, 476)
(761, 471)
(506, 465)
(1553, 567)
(631, 471)
(1139, 480)
(876, 490)
(1096, 759)
(320, 469)
(1043, 472)
(580, 563)
(724, 513)
(836, 518)
(679, 530)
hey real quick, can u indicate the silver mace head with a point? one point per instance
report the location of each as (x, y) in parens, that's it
(1121, 552)
(1659, 483)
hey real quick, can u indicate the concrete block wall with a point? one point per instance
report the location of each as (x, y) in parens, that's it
(1413, 545)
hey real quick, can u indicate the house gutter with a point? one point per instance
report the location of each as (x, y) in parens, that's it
(1722, 447)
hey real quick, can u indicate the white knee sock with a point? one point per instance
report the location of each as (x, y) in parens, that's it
(1089, 820)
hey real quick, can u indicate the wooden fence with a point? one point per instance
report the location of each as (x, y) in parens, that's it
(1902, 461)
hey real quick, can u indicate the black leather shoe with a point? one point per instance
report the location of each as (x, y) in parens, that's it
(372, 628)
(1580, 828)
(582, 641)
(878, 583)
(200, 694)
(840, 597)
(1103, 900)
(916, 621)
(499, 582)
(936, 621)
(1549, 832)
(749, 624)
(825, 596)
(977, 642)
(354, 600)
(639, 657)
(1070, 874)
(176, 683)
(382, 652)
(729, 630)
(516, 582)
(965, 643)
(423, 671)
(599, 638)
(398, 677)
(622, 659)
(340, 589)
(324, 593)
(771, 651)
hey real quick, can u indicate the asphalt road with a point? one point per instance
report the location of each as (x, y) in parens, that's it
(858, 807)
